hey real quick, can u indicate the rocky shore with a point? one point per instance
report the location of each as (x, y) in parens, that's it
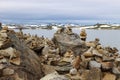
(67, 56)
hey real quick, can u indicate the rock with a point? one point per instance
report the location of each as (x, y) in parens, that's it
(48, 69)
(9, 52)
(2, 66)
(117, 59)
(0, 25)
(67, 60)
(109, 76)
(68, 41)
(84, 64)
(73, 71)
(68, 54)
(90, 44)
(76, 62)
(106, 58)
(98, 59)
(96, 53)
(115, 71)
(54, 76)
(15, 61)
(3, 35)
(107, 65)
(3, 60)
(16, 76)
(93, 74)
(63, 69)
(88, 54)
(94, 64)
(8, 71)
(30, 65)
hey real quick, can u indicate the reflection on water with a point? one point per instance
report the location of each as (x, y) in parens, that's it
(107, 37)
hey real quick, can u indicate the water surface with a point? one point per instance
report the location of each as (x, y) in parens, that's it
(107, 37)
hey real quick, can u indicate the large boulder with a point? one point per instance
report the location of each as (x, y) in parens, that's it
(66, 41)
(27, 65)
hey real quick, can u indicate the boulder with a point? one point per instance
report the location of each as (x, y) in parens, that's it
(68, 41)
(27, 66)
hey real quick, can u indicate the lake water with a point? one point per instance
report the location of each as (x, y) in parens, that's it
(107, 37)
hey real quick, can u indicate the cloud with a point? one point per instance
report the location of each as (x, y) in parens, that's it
(60, 9)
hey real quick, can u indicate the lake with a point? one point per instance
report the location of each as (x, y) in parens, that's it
(107, 37)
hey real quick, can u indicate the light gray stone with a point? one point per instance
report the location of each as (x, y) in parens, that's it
(94, 64)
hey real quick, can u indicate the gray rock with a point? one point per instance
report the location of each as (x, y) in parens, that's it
(115, 71)
(68, 41)
(63, 69)
(73, 71)
(94, 64)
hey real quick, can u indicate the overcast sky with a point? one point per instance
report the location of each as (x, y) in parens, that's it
(106, 10)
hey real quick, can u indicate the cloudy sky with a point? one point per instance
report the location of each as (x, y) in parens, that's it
(84, 10)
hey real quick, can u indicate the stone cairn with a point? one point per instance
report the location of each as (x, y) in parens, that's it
(94, 63)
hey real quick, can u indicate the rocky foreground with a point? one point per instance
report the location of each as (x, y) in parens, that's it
(65, 57)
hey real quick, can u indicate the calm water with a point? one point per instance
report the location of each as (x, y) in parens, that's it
(107, 37)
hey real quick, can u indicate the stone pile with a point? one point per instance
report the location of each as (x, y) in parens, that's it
(17, 61)
(89, 61)
(37, 44)
(65, 57)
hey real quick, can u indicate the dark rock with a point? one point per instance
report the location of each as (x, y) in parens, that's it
(63, 69)
(0, 25)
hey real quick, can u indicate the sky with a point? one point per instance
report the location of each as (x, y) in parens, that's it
(60, 10)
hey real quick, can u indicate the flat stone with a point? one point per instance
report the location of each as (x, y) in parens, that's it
(8, 71)
(96, 53)
(15, 61)
(54, 76)
(94, 64)
(107, 65)
(106, 58)
(109, 76)
(63, 69)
